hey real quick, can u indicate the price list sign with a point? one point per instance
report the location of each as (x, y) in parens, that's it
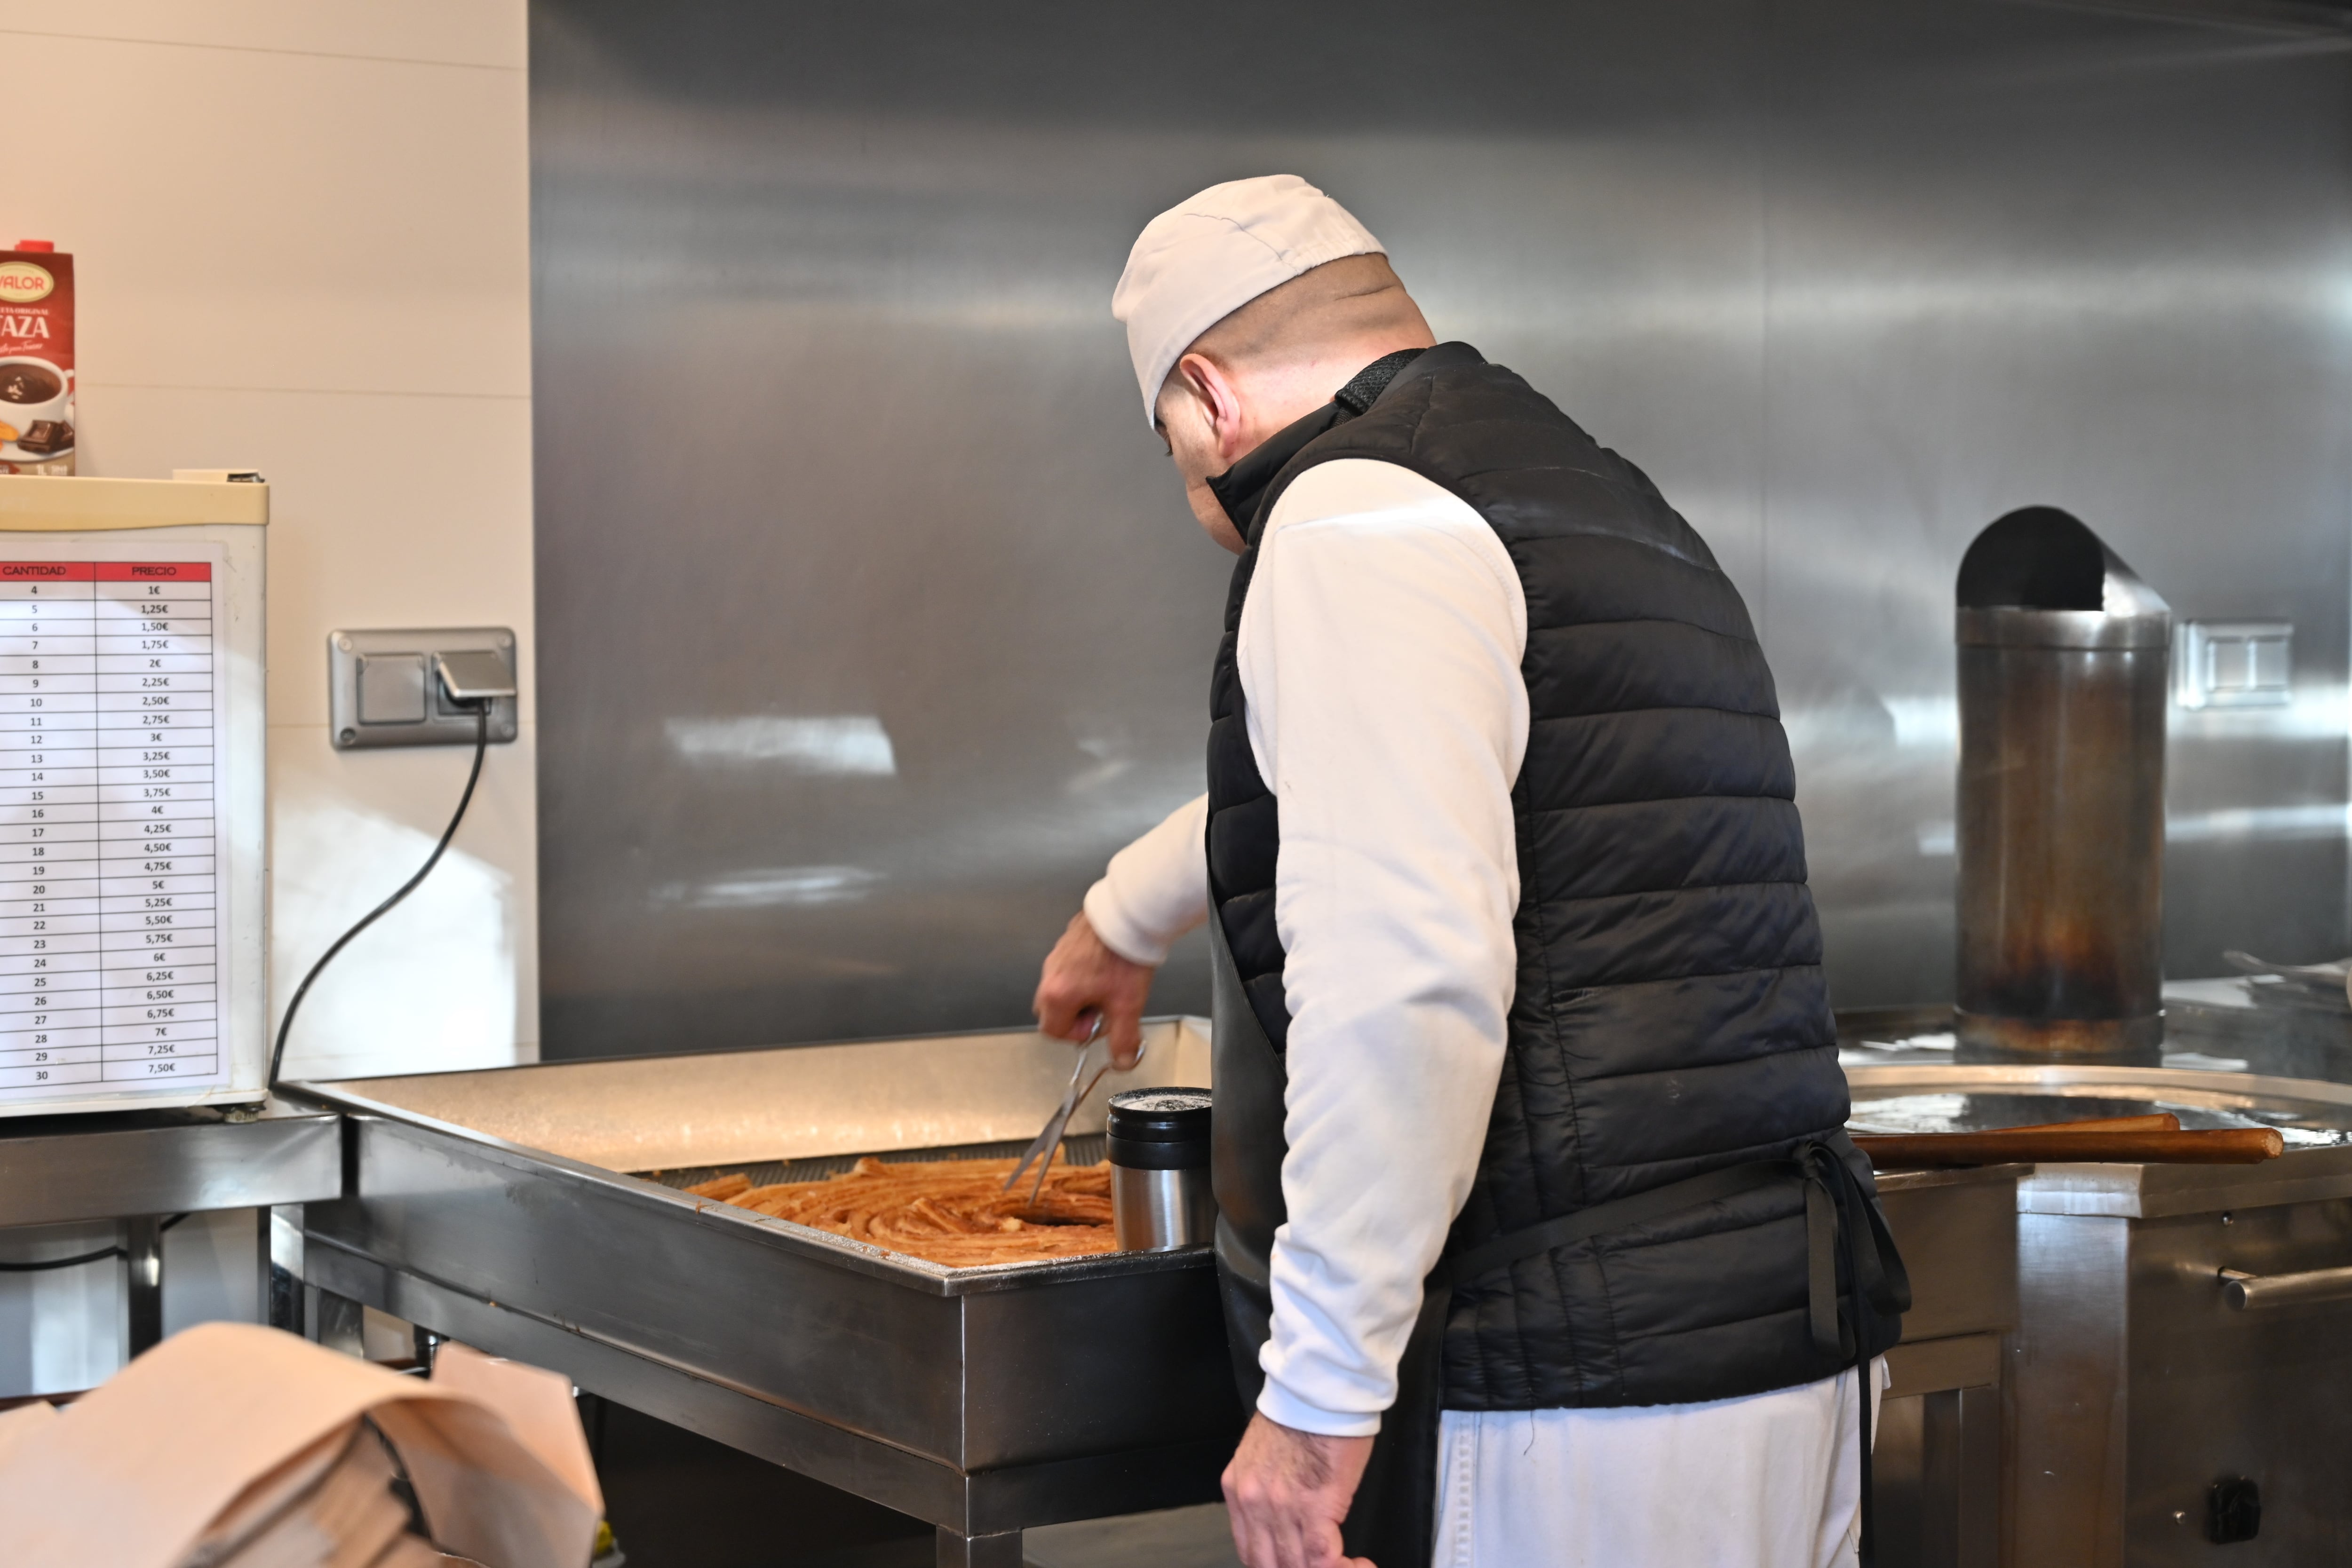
(109, 869)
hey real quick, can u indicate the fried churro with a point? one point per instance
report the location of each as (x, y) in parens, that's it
(953, 1212)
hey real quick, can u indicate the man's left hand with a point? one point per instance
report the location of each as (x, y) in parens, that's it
(1287, 1491)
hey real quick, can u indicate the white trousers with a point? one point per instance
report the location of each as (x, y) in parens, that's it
(1766, 1481)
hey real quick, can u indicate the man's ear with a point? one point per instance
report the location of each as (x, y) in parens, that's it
(1219, 400)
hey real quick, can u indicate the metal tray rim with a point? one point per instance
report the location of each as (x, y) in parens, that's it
(915, 1273)
(1199, 1023)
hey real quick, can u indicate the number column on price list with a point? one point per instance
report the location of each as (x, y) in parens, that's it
(51, 1015)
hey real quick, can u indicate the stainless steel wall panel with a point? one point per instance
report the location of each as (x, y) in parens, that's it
(871, 622)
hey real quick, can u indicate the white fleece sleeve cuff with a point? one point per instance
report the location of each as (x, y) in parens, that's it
(1277, 1403)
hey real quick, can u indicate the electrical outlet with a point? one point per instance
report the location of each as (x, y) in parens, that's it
(392, 688)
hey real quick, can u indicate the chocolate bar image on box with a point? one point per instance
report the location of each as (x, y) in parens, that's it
(46, 437)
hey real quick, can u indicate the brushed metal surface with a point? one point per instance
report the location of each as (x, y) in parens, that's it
(977, 1369)
(1158, 1211)
(2130, 1384)
(56, 1169)
(2313, 1115)
(2215, 1392)
(508, 1189)
(1959, 1242)
(2077, 629)
(1002, 1550)
(1131, 1480)
(2061, 850)
(1935, 1465)
(2066, 678)
(869, 624)
(665, 1111)
(2069, 1406)
(1931, 1365)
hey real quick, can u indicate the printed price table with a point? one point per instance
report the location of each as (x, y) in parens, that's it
(108, 884)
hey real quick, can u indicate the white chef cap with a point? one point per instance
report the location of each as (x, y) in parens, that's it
(1203, 259)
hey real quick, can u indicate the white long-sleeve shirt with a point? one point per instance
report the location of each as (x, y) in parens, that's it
(1378, 658)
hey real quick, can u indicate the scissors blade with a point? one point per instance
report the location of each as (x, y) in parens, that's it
(1053, 1133)
(1042, 1143)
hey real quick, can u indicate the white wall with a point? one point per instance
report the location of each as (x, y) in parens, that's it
(300, 238)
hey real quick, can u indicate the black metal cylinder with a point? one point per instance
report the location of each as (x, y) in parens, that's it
(2063, 663)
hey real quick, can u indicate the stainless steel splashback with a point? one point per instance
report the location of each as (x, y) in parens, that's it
(871, 621)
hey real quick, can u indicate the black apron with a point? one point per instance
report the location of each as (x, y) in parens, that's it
(1393, 1520)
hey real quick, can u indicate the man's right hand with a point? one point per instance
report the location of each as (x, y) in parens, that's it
(1287, 1493)
(1083, 979)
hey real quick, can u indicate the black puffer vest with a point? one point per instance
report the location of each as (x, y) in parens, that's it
(1670, 1018)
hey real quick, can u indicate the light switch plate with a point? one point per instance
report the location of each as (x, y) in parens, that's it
(2234, 663)
(377, 680)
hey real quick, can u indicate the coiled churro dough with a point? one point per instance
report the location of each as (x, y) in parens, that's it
(953, 1212)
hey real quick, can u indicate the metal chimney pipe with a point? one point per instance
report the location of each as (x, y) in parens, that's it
(2064, 655)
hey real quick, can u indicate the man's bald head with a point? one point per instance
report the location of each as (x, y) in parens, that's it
(1274, 362)
(1327, 311)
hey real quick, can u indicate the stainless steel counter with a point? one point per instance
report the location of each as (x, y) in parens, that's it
(531, 1211)
(2073, 1343)
(56, 1169)
(137, 1166)
(1937, 1463)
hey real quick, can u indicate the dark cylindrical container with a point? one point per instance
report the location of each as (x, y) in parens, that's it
(1160, 1193)
(2065, 659)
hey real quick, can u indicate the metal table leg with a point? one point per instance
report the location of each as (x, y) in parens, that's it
(142, 1248)
(979, 1551)
(336, 1322)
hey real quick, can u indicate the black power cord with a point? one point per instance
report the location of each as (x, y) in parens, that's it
(286, 1024)
(79, 1257)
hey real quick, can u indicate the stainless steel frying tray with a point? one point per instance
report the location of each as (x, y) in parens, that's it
(530, 1211)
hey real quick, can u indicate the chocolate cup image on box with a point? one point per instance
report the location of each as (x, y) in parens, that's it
(32, 391)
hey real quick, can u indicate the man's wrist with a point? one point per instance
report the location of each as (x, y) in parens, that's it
(1280, 1405)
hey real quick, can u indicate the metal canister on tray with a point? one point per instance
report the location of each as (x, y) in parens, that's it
(1160, 1194)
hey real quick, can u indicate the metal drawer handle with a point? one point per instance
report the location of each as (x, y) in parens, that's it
(2247, 1292)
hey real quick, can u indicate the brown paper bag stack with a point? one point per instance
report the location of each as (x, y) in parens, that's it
(234, 1447)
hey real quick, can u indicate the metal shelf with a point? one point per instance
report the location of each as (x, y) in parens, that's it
(57, 1169)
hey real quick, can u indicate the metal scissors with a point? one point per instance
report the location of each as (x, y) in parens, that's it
(1040, 1151)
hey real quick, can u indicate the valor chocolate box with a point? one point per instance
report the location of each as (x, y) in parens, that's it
(37, 360)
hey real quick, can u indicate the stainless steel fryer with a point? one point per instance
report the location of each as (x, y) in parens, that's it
(514, 1209)
(2138, 1386)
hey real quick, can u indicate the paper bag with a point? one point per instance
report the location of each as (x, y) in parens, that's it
(134, 1473)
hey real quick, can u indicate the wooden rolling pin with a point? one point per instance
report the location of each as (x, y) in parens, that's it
(2073, 1142)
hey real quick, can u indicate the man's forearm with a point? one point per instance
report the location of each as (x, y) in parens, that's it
(1156, 889)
